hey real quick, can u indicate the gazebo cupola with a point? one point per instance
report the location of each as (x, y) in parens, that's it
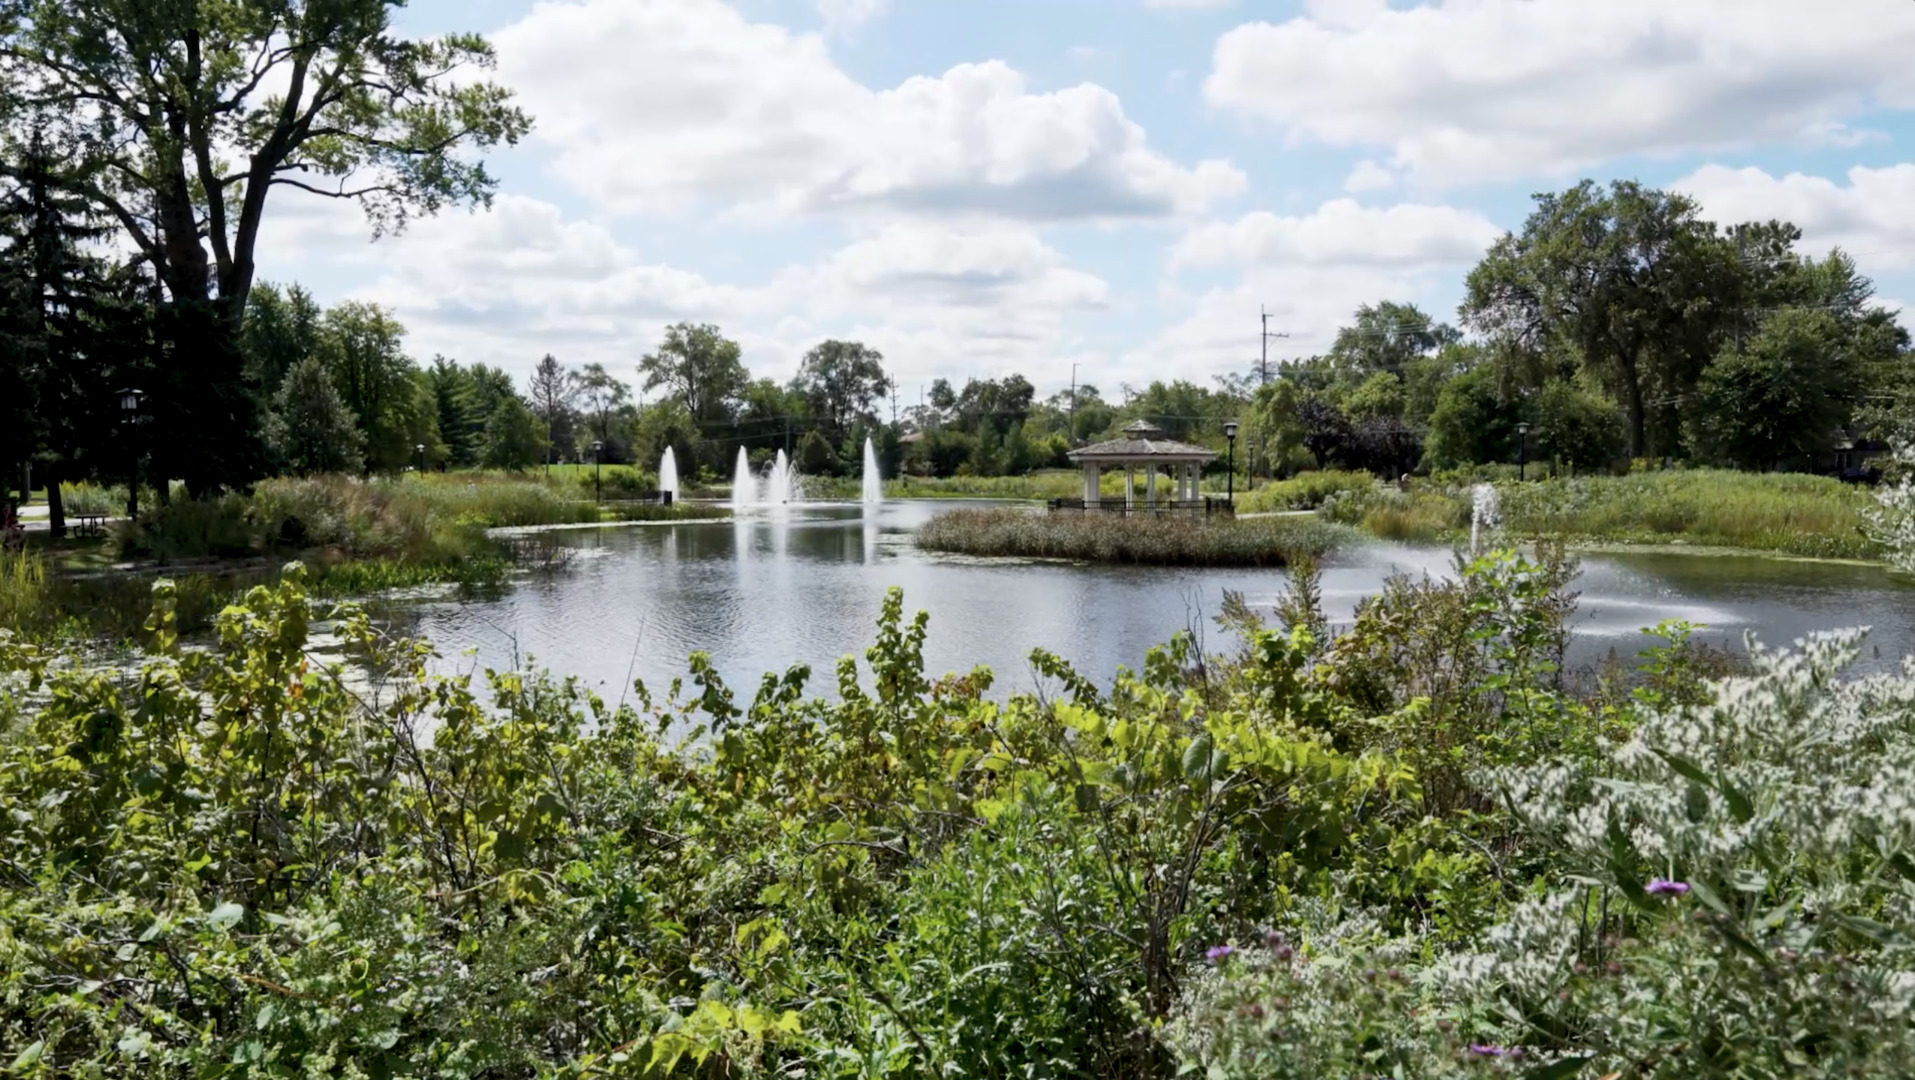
(1144, 447)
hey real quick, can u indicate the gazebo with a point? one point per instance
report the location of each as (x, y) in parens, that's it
(1144, 447)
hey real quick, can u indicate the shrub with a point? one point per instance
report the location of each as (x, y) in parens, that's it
(1728, 896)
(1304, 491)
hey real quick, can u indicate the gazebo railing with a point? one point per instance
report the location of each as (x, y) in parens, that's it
(1207, 506)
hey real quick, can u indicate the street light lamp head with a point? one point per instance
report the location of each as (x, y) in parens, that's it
(130, 401)
(1522, 429)
(597, 446)
(1230, 430)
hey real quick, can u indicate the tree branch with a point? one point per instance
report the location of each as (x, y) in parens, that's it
(341, 193)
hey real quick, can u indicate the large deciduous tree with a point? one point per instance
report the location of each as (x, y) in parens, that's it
(1630, 279)
(701, 367)
(184, 116)
(178, 119)
(840, 381)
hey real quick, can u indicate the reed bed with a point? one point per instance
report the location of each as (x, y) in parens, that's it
(1152, 541)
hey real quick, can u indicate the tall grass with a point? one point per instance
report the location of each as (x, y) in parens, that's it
(23, 590)
(423, 520)
(1786, 513)
(90, 498)
(1156, 541)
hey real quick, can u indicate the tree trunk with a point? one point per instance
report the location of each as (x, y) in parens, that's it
(56, 507)
(1632, 404)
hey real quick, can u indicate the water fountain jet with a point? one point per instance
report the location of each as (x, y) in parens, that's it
(668, 476)
(873, 478)
(1485, 513)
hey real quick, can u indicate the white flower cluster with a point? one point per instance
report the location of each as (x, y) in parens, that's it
(1790, 766)
(1892, 518)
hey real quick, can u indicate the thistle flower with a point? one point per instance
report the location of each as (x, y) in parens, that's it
(1665, 887)
(1218, 952)
(1488, 1050)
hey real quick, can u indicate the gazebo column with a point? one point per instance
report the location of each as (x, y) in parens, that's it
(1150, 485)
(1191, 482)
(1130, 487)
(1092, 478)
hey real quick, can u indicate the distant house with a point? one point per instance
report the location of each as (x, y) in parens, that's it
(912, 439)
(1851, 457)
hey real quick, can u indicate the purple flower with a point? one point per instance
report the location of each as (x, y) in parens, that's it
(1665, 887)
(1218, 952)
(1487, 1050)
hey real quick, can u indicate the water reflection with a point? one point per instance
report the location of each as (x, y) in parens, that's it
(805, 587)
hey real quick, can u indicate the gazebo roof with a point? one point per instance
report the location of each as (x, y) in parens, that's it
(1142, 441)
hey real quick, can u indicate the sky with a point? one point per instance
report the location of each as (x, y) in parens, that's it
(1107, 190)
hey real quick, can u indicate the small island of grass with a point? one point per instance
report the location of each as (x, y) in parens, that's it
(1142, 540)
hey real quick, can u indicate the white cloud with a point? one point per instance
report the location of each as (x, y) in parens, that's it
(845, 16)
(1369, 176)
(1341, 233)
(666, 105)
(508, 285)
(1872, 216)
(1464, 90)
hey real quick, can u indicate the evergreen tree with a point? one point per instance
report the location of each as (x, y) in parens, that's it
(310, 429)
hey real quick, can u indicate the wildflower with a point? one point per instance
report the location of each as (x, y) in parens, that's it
(1218, 952)
(1665, 887)
(1488, 1050)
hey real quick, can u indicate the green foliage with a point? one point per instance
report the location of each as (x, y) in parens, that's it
(1304, 491)
(237, 862)
(1573, 426)
(1788, 513)
(514, 438)
(310, 428)
(1777, 401)
(1474, 421)
(1170, 540)
(429, 520)
(85, 498)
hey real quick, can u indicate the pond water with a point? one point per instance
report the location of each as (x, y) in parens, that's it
(762, 594)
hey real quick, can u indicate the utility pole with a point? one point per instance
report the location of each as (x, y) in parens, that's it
(1263, 362)
(1263, 374)
(1073, 432)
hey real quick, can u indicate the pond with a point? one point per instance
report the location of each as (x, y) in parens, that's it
(760, 595)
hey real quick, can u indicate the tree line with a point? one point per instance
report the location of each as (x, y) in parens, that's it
(1616, 324)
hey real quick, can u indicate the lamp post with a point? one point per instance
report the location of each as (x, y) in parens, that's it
(1522, 451)
(130, 418)
(597, 452)
(420, 449)
(1230, 436)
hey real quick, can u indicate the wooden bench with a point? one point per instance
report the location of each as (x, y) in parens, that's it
(90, 524)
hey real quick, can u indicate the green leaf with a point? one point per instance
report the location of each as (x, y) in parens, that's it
(1197, 758)
(29, 1056)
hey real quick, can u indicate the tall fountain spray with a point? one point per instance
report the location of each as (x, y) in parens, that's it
(873, 479)
(1485, 512)
(668, 474)
(778, 485)
(744, 486)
